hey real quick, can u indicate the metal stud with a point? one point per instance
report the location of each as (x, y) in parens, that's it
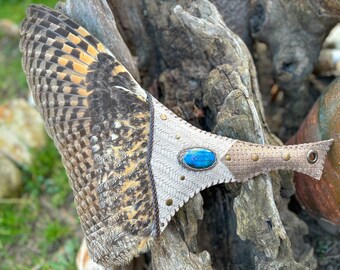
(255, 157)
(285, 156)
(228, 157)
(163, 116)
(169, 202)
(182, 177)
(178, 136)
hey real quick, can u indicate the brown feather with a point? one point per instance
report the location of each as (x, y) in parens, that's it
(83, 93)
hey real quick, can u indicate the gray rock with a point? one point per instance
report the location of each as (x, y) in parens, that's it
(21, 128)
(10, 179)
(9, 28)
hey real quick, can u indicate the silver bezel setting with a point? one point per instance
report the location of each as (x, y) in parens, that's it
(181, 162)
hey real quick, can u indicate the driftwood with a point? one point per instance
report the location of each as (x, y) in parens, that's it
(294, 32)
(193, 63)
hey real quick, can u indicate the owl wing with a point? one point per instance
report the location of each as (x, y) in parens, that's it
(84, 96)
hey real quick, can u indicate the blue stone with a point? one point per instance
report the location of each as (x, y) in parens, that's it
(199, 158)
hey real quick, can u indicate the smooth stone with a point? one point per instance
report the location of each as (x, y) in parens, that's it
(10, 179)
(199, 158)
(21, 129)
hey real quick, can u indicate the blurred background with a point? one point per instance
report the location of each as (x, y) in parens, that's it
(39, 228)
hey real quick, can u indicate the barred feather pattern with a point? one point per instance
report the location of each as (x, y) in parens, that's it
(84, 94)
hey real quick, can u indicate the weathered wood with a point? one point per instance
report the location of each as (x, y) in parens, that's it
(239, 23)
(294, 32)
(209, 65)
(97, 18)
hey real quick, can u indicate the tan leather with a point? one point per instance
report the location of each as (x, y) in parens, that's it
(246, 160)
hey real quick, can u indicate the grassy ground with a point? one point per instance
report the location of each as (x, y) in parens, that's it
(39, 230)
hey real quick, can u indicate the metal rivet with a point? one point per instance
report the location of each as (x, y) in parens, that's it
(178, 136)
(255, 157)
(285, 156)
(227, 157)
(312, 156)
(182, 177)
(163, 117)
(169, 202)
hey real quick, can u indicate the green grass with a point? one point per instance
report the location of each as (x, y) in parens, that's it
(46, 174)
(40, 230)
(34, 226)
(12, 215)
(55, 231)
(15, 10)
(12, 79)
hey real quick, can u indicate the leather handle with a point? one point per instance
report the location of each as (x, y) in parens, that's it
(246, 160)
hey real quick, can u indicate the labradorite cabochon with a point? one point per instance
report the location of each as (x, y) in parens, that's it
(198, 158)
